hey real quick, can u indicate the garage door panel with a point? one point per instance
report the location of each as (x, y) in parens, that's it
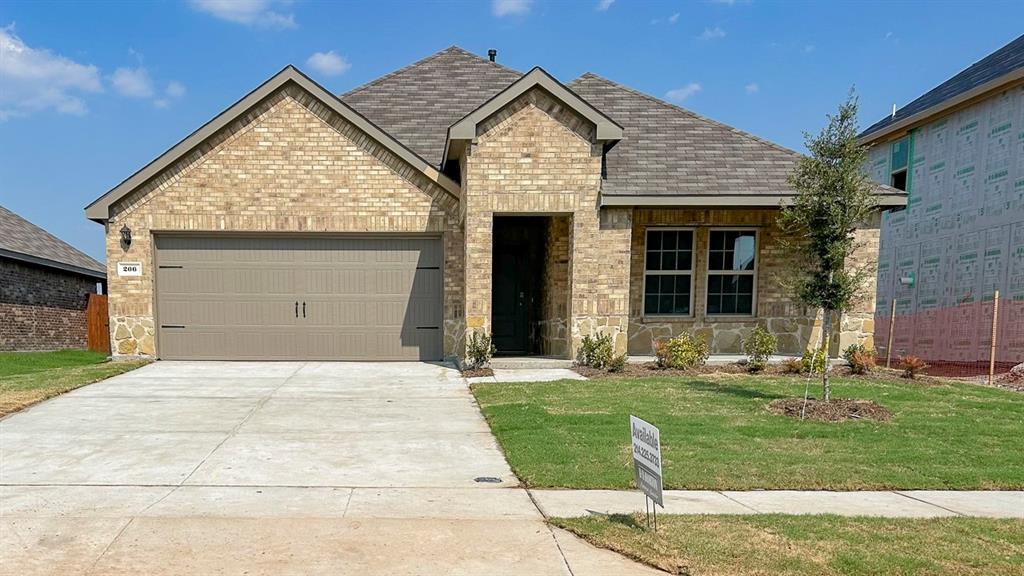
(366, 298)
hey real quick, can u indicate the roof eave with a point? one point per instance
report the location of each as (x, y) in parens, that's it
(914, 119)
(46, 262)
(99, 209)
(726, 200)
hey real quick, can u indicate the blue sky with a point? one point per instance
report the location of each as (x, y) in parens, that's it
(90, 92)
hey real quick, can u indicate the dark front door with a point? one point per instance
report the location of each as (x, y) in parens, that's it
(516, 281)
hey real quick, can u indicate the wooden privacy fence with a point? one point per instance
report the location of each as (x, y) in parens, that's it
(97, 324)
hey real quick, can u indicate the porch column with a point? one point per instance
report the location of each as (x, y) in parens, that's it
(599, 275)
(479, 237)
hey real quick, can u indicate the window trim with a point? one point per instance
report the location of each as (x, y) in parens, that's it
(708, 272)
(692, 272)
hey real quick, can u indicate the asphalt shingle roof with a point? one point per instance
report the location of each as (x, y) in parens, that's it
(667, 150)
(1001, 62)
(418, 103)
(23, 238)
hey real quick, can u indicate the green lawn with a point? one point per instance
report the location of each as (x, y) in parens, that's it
(717, 433)
(30, 377)
(812, 545)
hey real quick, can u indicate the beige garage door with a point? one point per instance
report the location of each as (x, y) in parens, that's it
(284, 298)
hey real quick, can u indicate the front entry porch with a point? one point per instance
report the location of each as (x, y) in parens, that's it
(530, 295)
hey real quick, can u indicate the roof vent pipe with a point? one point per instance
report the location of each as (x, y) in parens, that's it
(893, 111)
(492, 54)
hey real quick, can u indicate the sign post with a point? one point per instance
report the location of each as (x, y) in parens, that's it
(646, 439)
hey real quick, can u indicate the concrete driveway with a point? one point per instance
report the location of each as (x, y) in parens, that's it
(271, 468)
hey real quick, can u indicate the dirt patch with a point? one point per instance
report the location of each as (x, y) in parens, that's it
(831, 411)
(477, 372)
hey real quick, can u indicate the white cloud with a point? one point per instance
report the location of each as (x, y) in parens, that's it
(35, 79)
(712, 33)
(132, 82)
(137, 83)
(809, 48)
(681, 94)
(511, 7)
(328, 63)
(752, 88)
(256, 13)
(673, 18)
(726, 2)
(603, 5)
(175, 89)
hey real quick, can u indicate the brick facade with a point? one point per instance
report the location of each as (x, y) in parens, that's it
(42, 308)
(795, 326)
(289, 165)
(537, 157)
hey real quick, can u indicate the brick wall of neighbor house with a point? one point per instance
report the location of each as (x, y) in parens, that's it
(289, 165)
(536, 156)
(795, 326)
(41, 308)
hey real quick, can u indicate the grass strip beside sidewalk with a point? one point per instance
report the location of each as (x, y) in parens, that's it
(811, 545)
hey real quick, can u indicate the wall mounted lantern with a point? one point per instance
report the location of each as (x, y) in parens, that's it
(126, 236)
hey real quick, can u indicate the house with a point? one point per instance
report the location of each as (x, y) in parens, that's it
(44, 287)
(958, 151)
(453, 195)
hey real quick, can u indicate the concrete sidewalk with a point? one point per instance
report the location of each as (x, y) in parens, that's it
(902, 504)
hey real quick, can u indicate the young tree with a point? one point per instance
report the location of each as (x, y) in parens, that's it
(834, 198)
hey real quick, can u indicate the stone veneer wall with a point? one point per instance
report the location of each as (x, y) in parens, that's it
(795, 326)
(42, 308)
(537, 156)
(289, 165)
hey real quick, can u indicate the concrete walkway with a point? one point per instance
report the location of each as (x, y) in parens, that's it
(271, 468)
(903, 504)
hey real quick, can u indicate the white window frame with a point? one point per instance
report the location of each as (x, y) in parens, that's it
(692, 272)
(709, 272)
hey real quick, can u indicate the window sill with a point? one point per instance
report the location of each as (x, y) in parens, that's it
(654, 319)
(715, 318)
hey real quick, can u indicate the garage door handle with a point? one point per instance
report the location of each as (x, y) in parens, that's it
(303, 309)
(296, 308)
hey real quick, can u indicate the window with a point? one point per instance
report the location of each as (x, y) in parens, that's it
(731, 272)
(899, 160)
(668, 272)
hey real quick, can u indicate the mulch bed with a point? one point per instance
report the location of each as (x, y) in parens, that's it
(477, 372)
(652, 369)
(831, 411)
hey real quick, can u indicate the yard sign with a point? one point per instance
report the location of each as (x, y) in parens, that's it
(647, 458)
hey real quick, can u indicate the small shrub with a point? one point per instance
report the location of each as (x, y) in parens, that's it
(860, 357)
(479, 350)
(792, 366)
(618, 363)
(912, 366)
(813, 362)
(596, 352)
(682, 352)
(758, 347)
